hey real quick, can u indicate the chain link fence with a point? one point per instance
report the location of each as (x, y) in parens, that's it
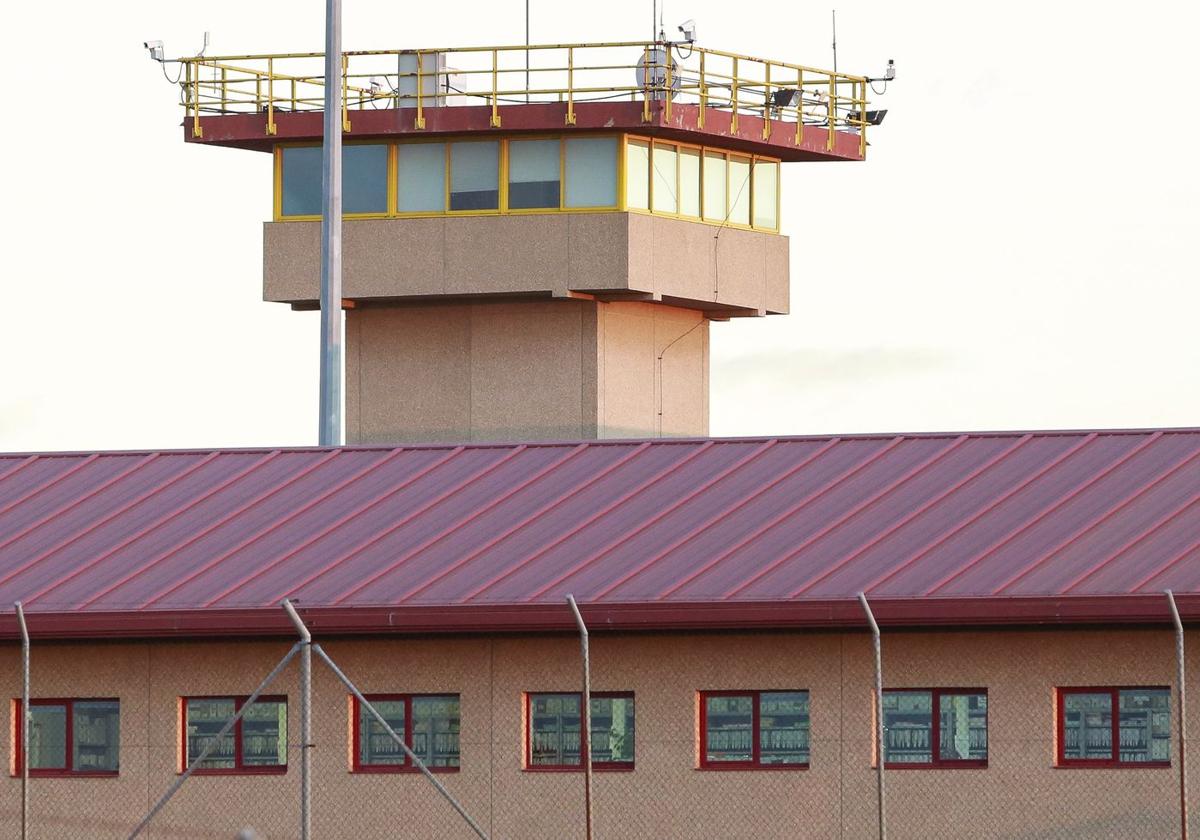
(1020, 792)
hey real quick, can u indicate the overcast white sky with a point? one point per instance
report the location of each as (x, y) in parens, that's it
(1018, 252)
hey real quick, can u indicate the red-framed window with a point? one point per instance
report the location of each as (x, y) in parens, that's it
(256, 744)
(935, 727)
(553, 727)
(70, 737)
(1091, 735)
(745, 730)
(428, 723)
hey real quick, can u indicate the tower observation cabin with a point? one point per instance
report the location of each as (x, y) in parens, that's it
(535, 239)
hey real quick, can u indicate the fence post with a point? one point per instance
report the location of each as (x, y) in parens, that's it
(305, 721)
(585, 718)
(881, 732)
(1181, 701)
(24, 721)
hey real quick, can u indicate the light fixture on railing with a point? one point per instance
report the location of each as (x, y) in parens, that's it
(156, 50)
(786, 98)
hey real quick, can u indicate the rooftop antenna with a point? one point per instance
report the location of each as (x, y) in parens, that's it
(835, 42)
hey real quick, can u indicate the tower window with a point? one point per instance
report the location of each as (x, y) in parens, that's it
(534, 174)
(475, 175)
(421, 178)
(591, 164)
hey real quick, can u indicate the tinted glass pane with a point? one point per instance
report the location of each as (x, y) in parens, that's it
(533, 174)
(554, 729)
(1087, 725)
(962, 733)
(364, 179)
(689, 182)
(435, 730)
(421, 178)
(204, 720)
(783, 727)
(612, 729)
(739, 190)
(1145, 724)
(264, 735)
(97, 735)
(908, 722)
(375, 746)
(48, 737)
(475, 176)
(714, 187)
(766, 193)
(591, 172)
(301, 187)
(729, 725)
(666, 182)
(637, 175)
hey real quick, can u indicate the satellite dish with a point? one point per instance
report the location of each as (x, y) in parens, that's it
(651, 72)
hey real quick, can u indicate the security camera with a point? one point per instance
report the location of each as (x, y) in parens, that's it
(891, 70)
(155, 48)
(688, 28)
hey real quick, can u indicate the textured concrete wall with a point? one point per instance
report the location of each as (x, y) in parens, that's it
(1021, 795)
(690, 263)
(525, 370)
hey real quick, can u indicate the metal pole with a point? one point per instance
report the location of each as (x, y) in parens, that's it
(413, 757)
(1181, 701)
(305, 721)
(881, 732)
(526, 50)
(25, 717)
(330, 431)
(585, 719)
(212, 743)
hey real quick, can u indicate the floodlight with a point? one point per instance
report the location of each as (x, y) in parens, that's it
(785, 98)
(874, 117)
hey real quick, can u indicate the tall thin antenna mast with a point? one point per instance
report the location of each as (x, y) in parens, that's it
(654, 20)
(330, 427)
(835, 42)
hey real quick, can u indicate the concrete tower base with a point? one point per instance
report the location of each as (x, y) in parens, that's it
(525, 370)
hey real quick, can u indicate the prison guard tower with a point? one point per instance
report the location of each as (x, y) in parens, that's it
(536, 239)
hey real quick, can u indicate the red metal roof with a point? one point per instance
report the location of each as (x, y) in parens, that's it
(935, 528)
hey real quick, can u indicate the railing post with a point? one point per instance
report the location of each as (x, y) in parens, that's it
(646, 70)
(800, 107)
(767, 103)
(733, 98)
(831, 111)
(224, 89)
(191, 85)
(880, 730)
(667, 78)
(570, 84)
(495, 88)
(862, 115)
(270, 95)
(585, 718)
(420, 123)
(293, 94)
(345, 90)
(703, 94)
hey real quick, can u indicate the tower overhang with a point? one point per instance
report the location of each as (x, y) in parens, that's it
(787, 140)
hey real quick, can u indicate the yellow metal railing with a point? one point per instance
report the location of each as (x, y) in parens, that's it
(656, 74)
